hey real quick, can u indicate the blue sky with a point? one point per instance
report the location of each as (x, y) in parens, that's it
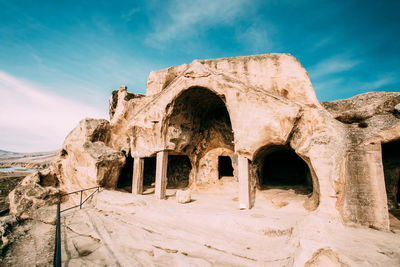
(60, 60)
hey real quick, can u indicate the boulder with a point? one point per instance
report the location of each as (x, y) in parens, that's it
(183, 196)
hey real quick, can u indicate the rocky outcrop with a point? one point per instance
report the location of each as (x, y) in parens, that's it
(370, 120)
(251, 106)
(244, 109)
(234, 107)
(35, 196)
(85, 160)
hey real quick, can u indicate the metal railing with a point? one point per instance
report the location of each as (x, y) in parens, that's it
(57, 248)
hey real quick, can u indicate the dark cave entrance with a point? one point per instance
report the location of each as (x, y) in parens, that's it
(199, 122)
(391, 168)
(280, 167)
(125, 177)
(149, 174)
(224, 166)
(178, 171)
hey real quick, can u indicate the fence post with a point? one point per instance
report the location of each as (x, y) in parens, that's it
(57, 252)
(80, 203)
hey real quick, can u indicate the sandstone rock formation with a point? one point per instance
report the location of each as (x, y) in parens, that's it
(34, 195)
(253, 118)
(373, 155)
(85, 160)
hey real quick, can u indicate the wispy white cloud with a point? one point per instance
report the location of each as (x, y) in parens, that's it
(322, 42)
(333, 65)
(32, 120)
(258, 38)
(187, 18)
(128, 16)
(380, 82)
(327, 85)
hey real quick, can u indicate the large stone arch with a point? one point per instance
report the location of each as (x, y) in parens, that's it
(255, 113)
(247, 107)
(197, 121)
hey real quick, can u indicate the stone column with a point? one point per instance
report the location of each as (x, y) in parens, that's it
(365, 194)
(137, 179)
(244, 183)
(161, 174)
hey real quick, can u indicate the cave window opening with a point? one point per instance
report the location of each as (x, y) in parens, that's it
(125, 177)
(178, 171)
(149, 173)
(391, 169)
(224, 166)
(282, 168)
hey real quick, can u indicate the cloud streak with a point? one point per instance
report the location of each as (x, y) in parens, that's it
(31, 120)
(186, 18)
(333, 65)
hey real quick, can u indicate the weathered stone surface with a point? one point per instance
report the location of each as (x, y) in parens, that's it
(369, 120)
(325, 257)
(33, 196)
(183, 196)
(279, 74)
(7, 223)
(247, 107)
(397, 109)
(85, 160)
(85, 245)
(244, 106)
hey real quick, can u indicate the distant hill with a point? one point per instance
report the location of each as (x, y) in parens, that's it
(3, 152)
(30, 160)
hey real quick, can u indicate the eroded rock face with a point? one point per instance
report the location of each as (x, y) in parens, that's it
(279, 74)
(231, 107)
(370, 120)
(85, 160)
(244, 109)
(246, 105)
(34, 196)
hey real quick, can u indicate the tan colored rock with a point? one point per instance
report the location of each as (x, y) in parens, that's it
(183, 196)
(85, 245)
(85, 160)
(369, 120)
(35, 197)
(257, 105)
(325, 257)
(260, 109)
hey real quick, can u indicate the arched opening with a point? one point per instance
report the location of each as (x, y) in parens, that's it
(178, 171)
(125, 177)
(279, 167)
(149, 175)
(225, 167)
(199, 122)
(391, 168)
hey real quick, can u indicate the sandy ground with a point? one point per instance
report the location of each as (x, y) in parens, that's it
(120, 229)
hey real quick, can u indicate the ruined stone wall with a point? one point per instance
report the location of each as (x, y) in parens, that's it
(369, 120)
